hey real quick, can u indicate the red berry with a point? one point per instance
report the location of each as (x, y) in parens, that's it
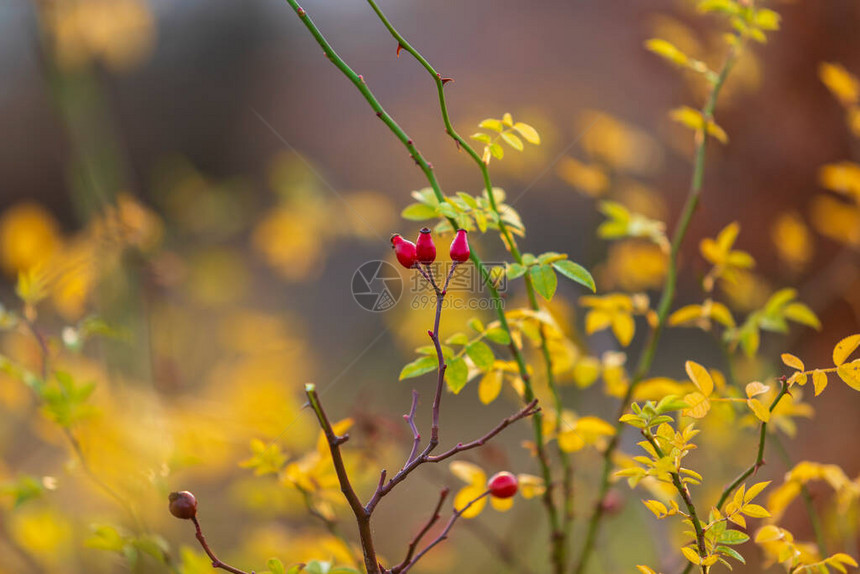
(460, 247)
(503, 485)
(426, 249)
(404, 250)
(183, 505)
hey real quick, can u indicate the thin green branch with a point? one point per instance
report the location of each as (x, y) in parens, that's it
(808, 503)
(560, 526)
(646, 360)
(688, 502)
(759, 459)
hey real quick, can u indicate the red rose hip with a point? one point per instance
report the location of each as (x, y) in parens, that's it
(404, 250)
(183, 505)
(425, 248)
(502, 485)
(460, 247)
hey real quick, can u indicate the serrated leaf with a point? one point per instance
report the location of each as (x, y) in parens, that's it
(498, 335)
(457, 375)
(544, 280)
(418, 212)
(419, 367)
(575, 272)
(481, 354)
(700, 377)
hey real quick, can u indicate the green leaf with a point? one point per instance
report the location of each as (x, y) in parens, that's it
(481, 354)
(728, 551)
(457, 339)
(800, 313)
(544, 280)
(498, 335)
(497, 151)
(476, 325)
(733, 537)
(275, 566)
(515, 270)
(419, 367)
(457, 374)
(575, 272)
(481, 137)
(418, 212)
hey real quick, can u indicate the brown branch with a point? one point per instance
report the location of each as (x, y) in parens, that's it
(216, 563)
(413, 545)
(442, 535)
(416, 436)
(424, 457)
(362, 516)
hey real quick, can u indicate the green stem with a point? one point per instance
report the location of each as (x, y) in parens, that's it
(647, 358)
(814, 519)
(759, 459)
(559, 527)
(688, 502)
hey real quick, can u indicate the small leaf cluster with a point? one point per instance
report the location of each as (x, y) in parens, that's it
(473, 356)
(468, 211)
(541, 271)
(506, 130)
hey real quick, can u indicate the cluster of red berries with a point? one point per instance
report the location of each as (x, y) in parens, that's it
(424, 250)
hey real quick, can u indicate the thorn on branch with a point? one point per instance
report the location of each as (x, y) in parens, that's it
(399, 47)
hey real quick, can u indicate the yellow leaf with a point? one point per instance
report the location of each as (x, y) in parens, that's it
(528, 132)
(755, 490)
(691, 555)
(699, 405)
(667, 50)
(700, 377)
(756, 388)
(658, 508)
(850, 373)
(793, 362)
(570, 441)
(468, 472)
(644, 569)
(501, 504)
(759, 410)
(844, 348)
(513, 141)
(769, 533)
(819, 379)
(508, 120)
(685, 315)
(840, 82)
(467, 495)
(623, 327)
(755, 511)
(490, 387)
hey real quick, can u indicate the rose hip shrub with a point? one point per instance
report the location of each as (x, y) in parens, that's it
(621, 432)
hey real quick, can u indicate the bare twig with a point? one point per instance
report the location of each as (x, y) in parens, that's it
(444, 534)
(216, 563)
(413, 545)
(362, 516)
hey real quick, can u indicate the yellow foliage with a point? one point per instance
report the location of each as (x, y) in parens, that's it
(29, 237)
(592, 180)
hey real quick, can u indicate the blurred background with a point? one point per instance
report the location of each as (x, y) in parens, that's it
(201, 179)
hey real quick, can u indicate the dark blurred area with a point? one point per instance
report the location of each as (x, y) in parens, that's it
(257, 180)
